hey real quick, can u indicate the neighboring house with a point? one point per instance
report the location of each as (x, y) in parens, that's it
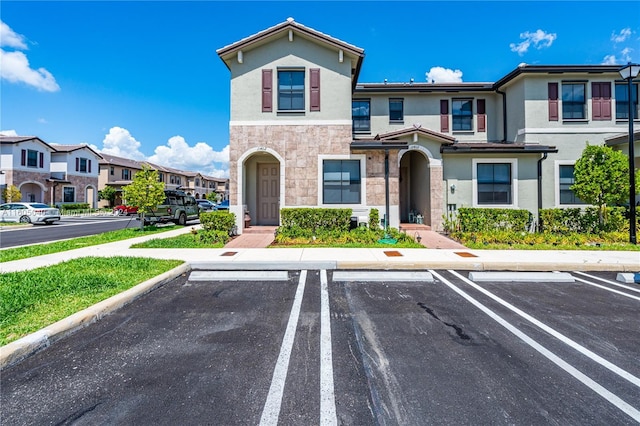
(116, 172)
(25, 163)
(305, 133)
(74, 175)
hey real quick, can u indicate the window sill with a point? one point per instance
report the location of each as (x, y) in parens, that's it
(463, 132)
(575, 120)
(396, 121)
(290, 112)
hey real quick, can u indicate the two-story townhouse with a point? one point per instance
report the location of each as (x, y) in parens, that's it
(116, 172)
(74, 174)
(25, 163)
(416, 151)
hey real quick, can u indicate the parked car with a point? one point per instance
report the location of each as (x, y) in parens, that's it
(28, 213)
(205, 204)
(125, 210)
(223, 205)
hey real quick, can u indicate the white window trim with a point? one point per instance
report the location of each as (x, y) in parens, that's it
(556, 184)
(363, 179)
(514, 181)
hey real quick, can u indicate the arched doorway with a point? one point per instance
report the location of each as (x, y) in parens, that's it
(261, 187)
(415, 187)
(90, 196)
(32, 192)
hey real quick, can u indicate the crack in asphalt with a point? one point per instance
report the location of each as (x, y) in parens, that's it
(459, 332)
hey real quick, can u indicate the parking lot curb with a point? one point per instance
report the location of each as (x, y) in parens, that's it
(22, 348)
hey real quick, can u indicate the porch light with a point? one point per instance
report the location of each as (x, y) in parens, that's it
(629, 72)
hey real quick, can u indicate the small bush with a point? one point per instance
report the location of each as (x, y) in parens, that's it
(471, 219)
(315, 219)
(75, 206)
(374, 219)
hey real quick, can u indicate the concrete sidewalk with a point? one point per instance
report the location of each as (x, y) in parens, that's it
(346, 258)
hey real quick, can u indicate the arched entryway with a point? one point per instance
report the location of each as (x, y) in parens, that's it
(32, 192)
(260, 188)
(421, 188)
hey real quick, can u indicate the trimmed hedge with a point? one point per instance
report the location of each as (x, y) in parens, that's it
(475, 219)
(316, 219)
(585, 221)
(74, 206)
(217, 226)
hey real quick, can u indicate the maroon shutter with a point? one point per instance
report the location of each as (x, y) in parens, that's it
(314, 87)
(553, 101)
(601, 101)
(89, 169)
(77, 164)
(444, 115)
(267, 90)
(482, 117)
(23, 157)
(42, 160)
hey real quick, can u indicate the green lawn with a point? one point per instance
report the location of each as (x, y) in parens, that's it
(31, 300)
(75, 243)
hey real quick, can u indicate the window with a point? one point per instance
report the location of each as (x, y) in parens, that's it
(32, 158)
(462, 114)
(494, 183)
(126, 174)
(197, 181)
(112, 170)
(573, 101)
(396, 110)
(82, 165)
(565, 180)
(341, 182)
(69, 194)
(160, 177)
(291, 90)
(361, 115)
(622, 101)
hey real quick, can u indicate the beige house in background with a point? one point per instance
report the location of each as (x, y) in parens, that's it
(305, 133)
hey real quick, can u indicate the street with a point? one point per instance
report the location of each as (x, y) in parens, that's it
(304, 347)
(68, 227)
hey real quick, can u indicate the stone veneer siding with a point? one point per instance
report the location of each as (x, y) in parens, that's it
(80, 183)
(300, 147)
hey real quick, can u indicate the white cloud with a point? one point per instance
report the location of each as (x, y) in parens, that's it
(623, 35)
(15, 68)
(443, 75)
(201, 157)
(609, 60)
(120, 143)
(625, 57)
(9, 38)
(8, 133)
(539, 39)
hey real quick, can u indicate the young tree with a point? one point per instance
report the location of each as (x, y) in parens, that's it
(145, 191)
(108, 193)
(602, 178)
(11, 194)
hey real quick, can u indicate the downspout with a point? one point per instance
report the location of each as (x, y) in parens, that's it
(386, 192)
(504, 114)
(544, 157)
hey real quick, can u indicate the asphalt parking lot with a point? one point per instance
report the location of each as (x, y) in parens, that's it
(304, 347)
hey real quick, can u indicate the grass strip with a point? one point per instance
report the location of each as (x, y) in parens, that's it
(179, 241)
(31, 300)
(76, 243)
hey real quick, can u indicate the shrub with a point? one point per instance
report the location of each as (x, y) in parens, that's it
(374, 219)
(471, 219)
(217, 226)
(587, 221)
(74, 206)
(315, 219)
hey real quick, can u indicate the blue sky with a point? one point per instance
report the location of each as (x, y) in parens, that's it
(142, 79)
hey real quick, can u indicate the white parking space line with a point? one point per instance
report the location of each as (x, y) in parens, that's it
(622, 293)
(525, 277)
(592, 384)
(328, 414)
(564, 339)
(382, 276)
(617, 284)
(271, 410)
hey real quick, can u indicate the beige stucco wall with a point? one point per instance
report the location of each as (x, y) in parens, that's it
(335, 81)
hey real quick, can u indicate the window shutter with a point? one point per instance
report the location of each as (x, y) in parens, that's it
(482, 117)
(553, 101)
(314, 87)
(601, 101)
(267, 90)
(23, 157)
(77, 164)
(89, 166)
(444, 115)
(42, 160)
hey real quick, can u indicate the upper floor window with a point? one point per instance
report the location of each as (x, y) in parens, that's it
(197, 181)
(126, 174)
(32, 158)
(396, 110)
(160, 177)
(361, 115)
(462, 114)
(83, 165)
(112, 170)
(291, 90)
(341, 182)
(622, 101)
(573, 101)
